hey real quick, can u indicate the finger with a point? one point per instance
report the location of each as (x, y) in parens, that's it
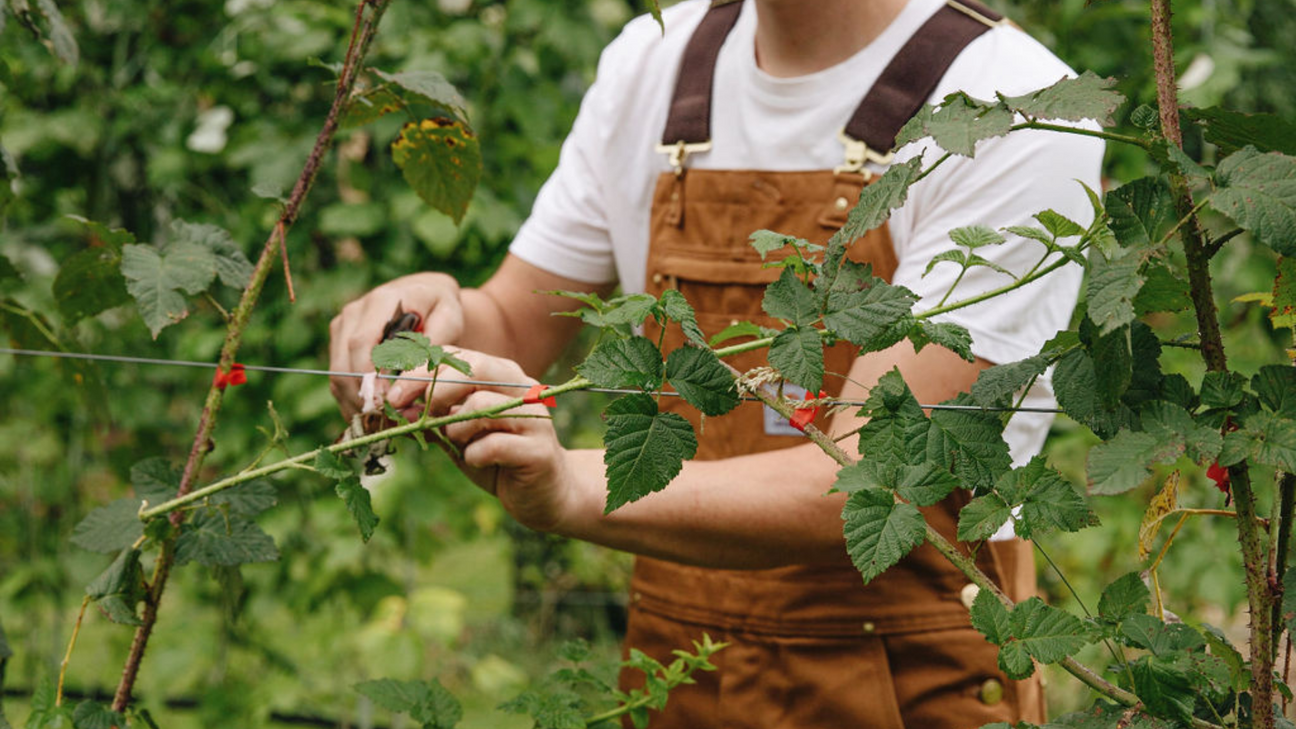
(523, 419)
(485, 368)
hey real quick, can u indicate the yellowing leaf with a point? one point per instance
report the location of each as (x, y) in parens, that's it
(1161, 505)
(441, 160)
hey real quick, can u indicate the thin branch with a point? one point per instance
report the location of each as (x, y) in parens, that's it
(1081, 131)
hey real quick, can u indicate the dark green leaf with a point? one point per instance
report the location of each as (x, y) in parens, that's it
(645, 448)
(1165, 686)
(924, 484)
(110, 528)
(158, 280)
(1048, 502)
(630, 309)
(1275, 385)
(874, 207)
(678, 309)
(356, 498)
(232, 266)
(976, 236)
(790, 299)
(991, 618)
(1267, 438)
(880, 532)
(214, 538)
(1163, 639)
(1071, 99)
(1104, 715)
(428, 703)
(1239, 673)
(997, 386)
(1015, 661)
(331, 465)
(1289, 599)
(1077, 388)
(1162, 290)
(619, 363)
(120, 588)
(1141, 212)
(798, 355)
(364, 107)
(1283, 298)
(969, 443)
(874, 318)
(1125, 461)
(1259, 192)
(248, 499)
(1171, 422)
(957, 124)
(863, 474)
(1124, 597)
(1232, 130)
(953, 337)
(896, 433)
(982, 517)
(405, 351)
(428, 87)
(1111, 289)
(90, 715)
(1058, 225)
(155, 479)
(441, 160)
(89, 282)
(1049, 634)
(699, 376)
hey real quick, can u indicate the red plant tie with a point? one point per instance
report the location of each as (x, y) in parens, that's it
(801, 417)
(1219, 475)
(236, 376)
(532, 396)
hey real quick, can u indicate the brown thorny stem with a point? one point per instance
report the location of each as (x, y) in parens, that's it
(1262, 585)
(368, 15)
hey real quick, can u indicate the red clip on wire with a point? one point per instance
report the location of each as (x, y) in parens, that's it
(532, 396)
(801, 417)
(236, 376)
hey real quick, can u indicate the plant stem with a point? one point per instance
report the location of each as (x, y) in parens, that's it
(362, 36)
(1081, 131)
(67, 657)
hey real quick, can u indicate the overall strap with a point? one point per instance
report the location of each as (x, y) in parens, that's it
(899, 92)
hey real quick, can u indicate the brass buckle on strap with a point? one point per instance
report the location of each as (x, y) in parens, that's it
(679, 151)
(858, 154)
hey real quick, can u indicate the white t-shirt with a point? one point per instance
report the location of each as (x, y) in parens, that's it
(590, 221)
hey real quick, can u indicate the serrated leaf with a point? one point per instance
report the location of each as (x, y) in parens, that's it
(1282, 298)
(247, 499)
(1048, 634)
(1077, 387)
(897, 430)
(997, 385)
(949, 335)
(1220, 647)
(991, 618)
(110, 528)
(1165, 687)
(356, 498)
(1275, 385)
(1141, 212)
(630, 309)
(119, 588)
(231, 265)
(155, 479)
(645, 448)
(1124, 597)
(767, 241)
(410, 350)
(924, 484)
(880, 532)
(91, 715)
(863, 474)
(1162, 290)
(364, 107)
(427, 87)
(798, 355)
(976, 236)
(957, 124)
(331, 465)
(1087, 96)
(426, 702)
(158, 280)
(874, 318)
(1015, 661)
(702, 380)
(1111, 288)
(734, 331)
(1046, 499)
(1268, 439)
(1169, 421)
(1162, 638)
(982, 517)
(788, 298)
(1125, 461)
(90, 282)
(875, 204)
(215, 538)
(1259, 192)
(969, 443)
(1232, 130)
(1058, 225)
(441, 159)
(678, 309)
(620, 363)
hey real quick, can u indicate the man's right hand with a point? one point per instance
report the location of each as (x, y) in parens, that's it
(354, 332)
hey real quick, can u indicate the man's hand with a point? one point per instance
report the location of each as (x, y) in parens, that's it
(435, 297)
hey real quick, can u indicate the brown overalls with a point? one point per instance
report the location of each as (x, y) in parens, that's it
(812, 647)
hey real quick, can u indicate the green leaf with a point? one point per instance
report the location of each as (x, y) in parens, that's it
(1058, 225)
(767, 241)
(1162, 290)
(90, 715)
(620, 363)
(896, 433)
(247, 499)
(1165, 686)
(953, 337)
(874, 207)
(1015, 661)
(233, 268)
(924, 484)
(1142, 212)
(1087, 96)
(428, 703)
(630, 309)
(1125, 461)
(120, 588)
(1232, 130)
(356, 498)
(89, 282)
(213, 538)
(798, 355)
(790, 299)
(1077, 387)
(1289, 599)
(1236, 666)
(982, 517)
(880, 532)
(1259, 192)
(1124, 597)
(110, 528)
(702, 380)
(1275, 385)
(1163, 639)
(957, 124)
(157, 280)
(1269, 439)
(441, 159)
(1168, 421)
(1105, 715)
(1111, 288)
(874, 318)
(1048, 633)
(997, 385)
(155, 479)
(411, 350)
(734, 331)
(969, 443)
(1048, 502)
(1283, 297)
(991, 618)
(366, 106)
(331, 465)
(645, 448)
(976, 236)
(678, 309)
(428, 87)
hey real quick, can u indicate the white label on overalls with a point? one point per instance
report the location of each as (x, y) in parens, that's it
(776, 424)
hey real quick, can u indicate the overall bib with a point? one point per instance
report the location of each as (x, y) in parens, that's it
(812, 647)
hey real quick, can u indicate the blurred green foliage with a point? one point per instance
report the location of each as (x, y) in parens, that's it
(204, 112)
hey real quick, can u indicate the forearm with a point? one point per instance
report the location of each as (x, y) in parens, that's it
(750, 512)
